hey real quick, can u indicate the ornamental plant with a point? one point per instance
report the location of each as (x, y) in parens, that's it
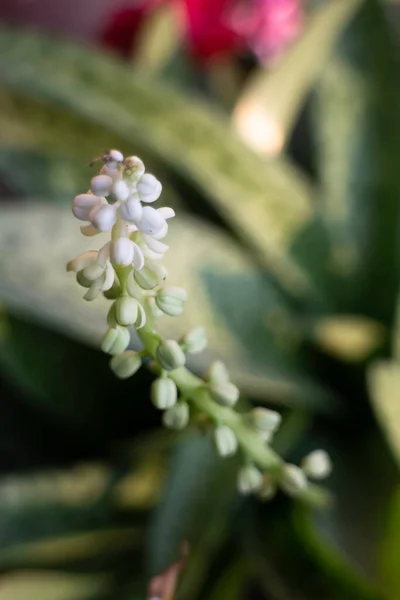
(128, 270)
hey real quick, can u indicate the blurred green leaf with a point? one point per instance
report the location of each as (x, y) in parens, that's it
(269, 332)
(72, 547)
(41, 585)
(197, 500)
(358, 137)
(384, 386)
(230, 581)
(154, 44)
(293, 561)
(391, 550)
(271, 101)
(265, 203)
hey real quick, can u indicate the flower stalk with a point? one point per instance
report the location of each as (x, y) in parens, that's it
(128, 270)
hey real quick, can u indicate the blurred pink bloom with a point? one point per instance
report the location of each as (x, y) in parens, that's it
(209, 31)
(215, 28)
(268, 26)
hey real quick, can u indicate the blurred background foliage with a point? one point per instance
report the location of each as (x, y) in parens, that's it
(275, 128)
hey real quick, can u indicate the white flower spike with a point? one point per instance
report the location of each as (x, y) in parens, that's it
(128, 271)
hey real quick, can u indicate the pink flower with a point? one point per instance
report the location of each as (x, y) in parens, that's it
(209, 32)
(268, 26)
(216, 28)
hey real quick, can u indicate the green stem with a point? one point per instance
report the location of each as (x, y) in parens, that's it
(193, 388)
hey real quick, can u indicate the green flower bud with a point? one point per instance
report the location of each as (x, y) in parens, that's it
(170, 355)
(112, 316)
(267, 490)
(195, 341)
(225, 441)
(163, 393)
(114, 291)
(265, 420)
(82, 280)
(217, 372)
(126, 364)
(146, 279)
(317, 464)
(94, 290)
(224, 392)
(171, 300)
(93, 271)
(177, 417)
(115, 340)
(249, 479)
(126, 310)
(293, 480)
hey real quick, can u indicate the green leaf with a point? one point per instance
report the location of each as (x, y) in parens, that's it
(195, 507)
(391, 550)
(262, 321)
(292, 559)
(41, 585)
(384, 387)
(271, 101)
(265, 203)
(358, 140)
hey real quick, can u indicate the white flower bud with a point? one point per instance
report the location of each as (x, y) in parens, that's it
(167, 212)
(151, 222)
(164, 393)
(265, 420)
(146, 279)
(126, 364)
(134, 168)
(170, 355)
(155, 245)
(110, 171)
(157, 268)
(115, 340)
(93, 271)
(317, 464)
(84, 203)
(121, 252)
(195, 341)
(224, 393)
(108, 277)
(177, 417)
(114, 156)
(103, 217)
(126, 310)
(101, 184)
(149, 188)
(217, 372)
(112, 316)
(225, 441)
(82, 261)
(120, 190)
(131, 210)
(249, 479)
(293, 480)
(171, 300)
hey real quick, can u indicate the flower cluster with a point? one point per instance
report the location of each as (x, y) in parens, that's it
(128, 270)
